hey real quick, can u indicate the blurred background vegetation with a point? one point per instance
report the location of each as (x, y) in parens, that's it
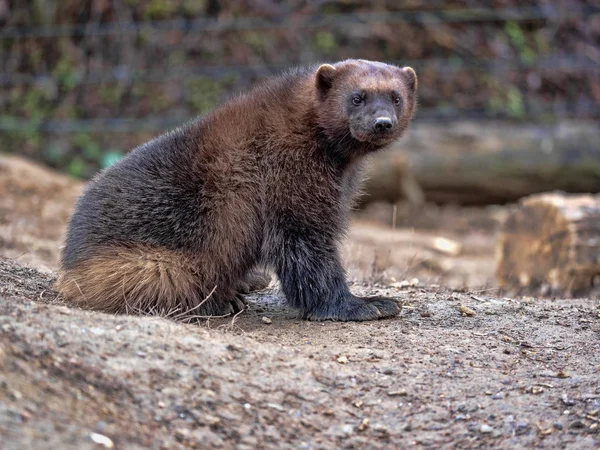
(82, 82)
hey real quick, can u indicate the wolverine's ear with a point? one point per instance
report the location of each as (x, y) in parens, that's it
(325, 75)
(411, 77)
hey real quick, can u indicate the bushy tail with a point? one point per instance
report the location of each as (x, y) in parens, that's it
(134, 280)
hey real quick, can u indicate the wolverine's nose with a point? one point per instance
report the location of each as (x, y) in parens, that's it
(383, 124)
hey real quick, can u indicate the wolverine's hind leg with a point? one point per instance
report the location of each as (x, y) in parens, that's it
(141, 279)
(256, 279)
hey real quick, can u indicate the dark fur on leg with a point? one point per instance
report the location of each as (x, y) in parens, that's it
(314, 281)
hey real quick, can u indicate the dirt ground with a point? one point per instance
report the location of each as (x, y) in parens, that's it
(461, 367)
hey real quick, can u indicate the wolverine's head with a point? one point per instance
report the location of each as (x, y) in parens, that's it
(370, 101)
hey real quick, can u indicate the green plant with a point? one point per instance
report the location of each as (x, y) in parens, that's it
(34, 103)
(203, 93)
(515, 106)
(159, 9)
(324, 42)
(255, 40)
(64, 73)
(77, 167)
(519, 41)
(193, 7)
(110, 93)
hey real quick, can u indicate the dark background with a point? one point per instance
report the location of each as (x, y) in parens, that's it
(82, 82)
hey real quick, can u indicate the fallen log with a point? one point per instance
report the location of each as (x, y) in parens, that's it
(391, 180)
(550, 245)
(479, 163)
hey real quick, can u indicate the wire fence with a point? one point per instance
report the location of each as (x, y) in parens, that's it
(202, 25)
(101, 75)
(487, 65)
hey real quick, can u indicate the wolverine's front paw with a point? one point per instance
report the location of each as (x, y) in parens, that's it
(357, 309)
(382, 306)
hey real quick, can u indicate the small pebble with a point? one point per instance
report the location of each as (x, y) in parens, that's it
(209, 420)
(380, 428)
(342, 360)
(276, 406)
(400, 393)
(485, 428)
(567, 401)
(181, 434)
(266, 320)
(557, 425)
(105, 441)
(364, 424)
(522, 428)
(347, 429)
(465, 311)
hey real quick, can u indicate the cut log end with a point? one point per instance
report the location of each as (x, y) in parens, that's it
(550, 245)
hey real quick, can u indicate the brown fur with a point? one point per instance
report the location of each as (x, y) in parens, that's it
(267, 178)
(143, 274)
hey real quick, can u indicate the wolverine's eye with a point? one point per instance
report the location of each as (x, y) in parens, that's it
(358, 98)
(397, 98)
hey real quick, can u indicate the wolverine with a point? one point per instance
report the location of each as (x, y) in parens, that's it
(266, 179)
